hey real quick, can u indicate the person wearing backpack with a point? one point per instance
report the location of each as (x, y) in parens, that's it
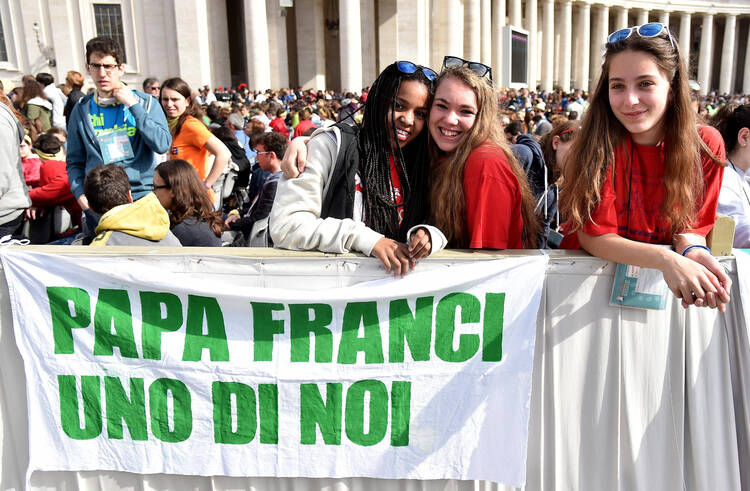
(364, 189)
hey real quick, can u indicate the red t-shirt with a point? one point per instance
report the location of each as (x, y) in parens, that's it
(645, 222)
(303, 126)
(278, 125)
(493, 200)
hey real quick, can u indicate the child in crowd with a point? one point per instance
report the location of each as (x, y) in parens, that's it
(645, 174)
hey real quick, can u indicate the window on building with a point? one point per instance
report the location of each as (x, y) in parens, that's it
(3, 49)
(108, 18)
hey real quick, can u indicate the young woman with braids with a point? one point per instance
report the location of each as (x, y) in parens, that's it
(365, 190)
(191, 215)
(479, 195)
(645, 173)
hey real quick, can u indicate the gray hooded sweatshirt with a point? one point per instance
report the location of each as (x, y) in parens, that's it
(14, 198)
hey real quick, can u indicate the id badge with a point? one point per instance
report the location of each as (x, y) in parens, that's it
(115, 146)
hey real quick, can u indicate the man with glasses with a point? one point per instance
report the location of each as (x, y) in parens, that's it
(114, 125)
(152, 86)
(252, 229)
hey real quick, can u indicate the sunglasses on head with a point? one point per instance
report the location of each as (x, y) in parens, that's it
(409, 68)
(650, 30)
(479, 69)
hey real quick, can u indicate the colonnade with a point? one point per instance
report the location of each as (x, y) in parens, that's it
(565, 38)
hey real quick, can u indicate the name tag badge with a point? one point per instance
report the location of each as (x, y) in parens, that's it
(115, 146)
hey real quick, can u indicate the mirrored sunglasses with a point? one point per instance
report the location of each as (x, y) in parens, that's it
(650, 30)
(409, 68)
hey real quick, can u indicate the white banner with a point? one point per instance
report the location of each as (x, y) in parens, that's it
(134, 368)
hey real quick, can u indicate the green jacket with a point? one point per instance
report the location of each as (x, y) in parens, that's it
(38, 108)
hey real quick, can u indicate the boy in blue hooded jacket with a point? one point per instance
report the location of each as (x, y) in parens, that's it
(114, 125)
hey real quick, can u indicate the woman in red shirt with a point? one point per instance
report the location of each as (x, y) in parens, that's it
(479, 196)
(645, 174)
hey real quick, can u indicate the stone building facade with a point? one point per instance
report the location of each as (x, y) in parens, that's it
(343, 44)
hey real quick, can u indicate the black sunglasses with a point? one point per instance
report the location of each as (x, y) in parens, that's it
(409, 68)
(161, 187)
(479, 69)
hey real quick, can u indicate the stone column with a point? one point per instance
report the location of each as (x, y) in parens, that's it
(622, 18)
(601, 28)
(566, 10)
(447, 31)
(350, 46)
(387, 33)
(412, 32)
(472, 30)
(193, 56)
(583, 46)
(498, 22)
(664, 19)
(486, 38)
(642, 17)
(369, 48)
(515, 15)
(684, 37)
(277, 42)
(311, 62)
(727, 55)
(532, 27)
(256, 40)
(557, 36)
(548, 52)
(746, 73)
(704, 58)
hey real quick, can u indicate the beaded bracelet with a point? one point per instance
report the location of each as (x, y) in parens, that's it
(695, 245)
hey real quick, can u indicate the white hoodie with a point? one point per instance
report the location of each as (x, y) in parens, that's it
(58, 100)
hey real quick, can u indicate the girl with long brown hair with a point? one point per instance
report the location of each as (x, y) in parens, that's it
(644, 173)
(35, 106)
(191, 139)
(191, 214)
(479, 196)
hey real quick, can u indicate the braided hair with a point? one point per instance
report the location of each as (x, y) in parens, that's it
(377, 144)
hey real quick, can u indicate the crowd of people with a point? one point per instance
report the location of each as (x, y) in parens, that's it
(417, 162)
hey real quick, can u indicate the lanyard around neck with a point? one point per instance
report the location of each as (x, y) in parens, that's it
(117, 112)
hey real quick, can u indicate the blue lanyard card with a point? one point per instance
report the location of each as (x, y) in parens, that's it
(115, 146)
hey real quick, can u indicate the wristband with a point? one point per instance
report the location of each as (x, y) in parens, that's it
(205, 185)
(694, 246)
